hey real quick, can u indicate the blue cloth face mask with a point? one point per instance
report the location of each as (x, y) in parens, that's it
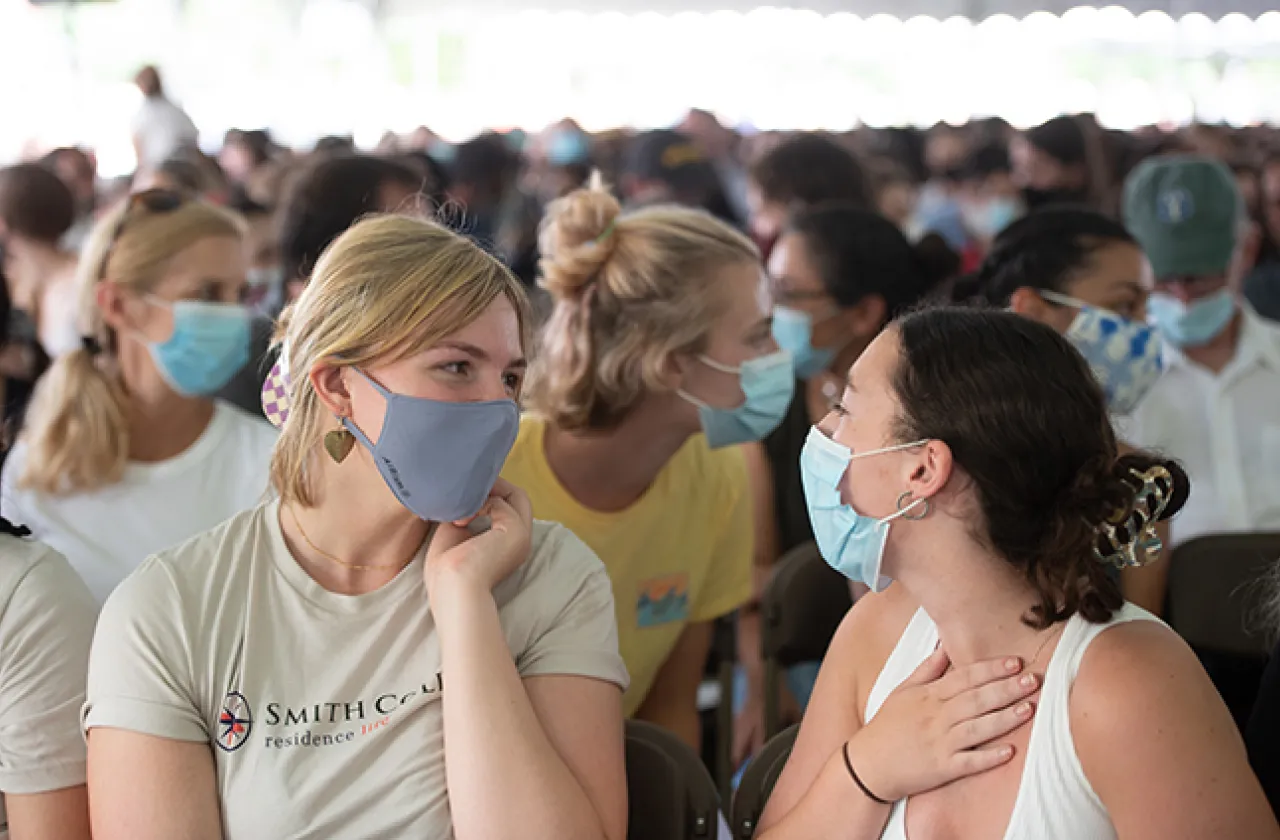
(793, 330)
(441, 459)
(210, 343)
(1126, 356)
(851, 543)
(1192, 325)
(768, 384)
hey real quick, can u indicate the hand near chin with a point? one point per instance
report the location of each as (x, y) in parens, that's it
(483, 550)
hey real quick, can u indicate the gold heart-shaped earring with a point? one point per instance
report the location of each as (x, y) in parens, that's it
(338, 444)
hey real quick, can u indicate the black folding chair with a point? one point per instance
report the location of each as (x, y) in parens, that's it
(758, 781)
(671, 794)
(801, 607)
(1213, 596)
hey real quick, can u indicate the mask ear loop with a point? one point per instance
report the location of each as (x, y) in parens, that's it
(903, 507)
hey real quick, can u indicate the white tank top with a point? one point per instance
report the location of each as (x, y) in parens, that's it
(1054, 801)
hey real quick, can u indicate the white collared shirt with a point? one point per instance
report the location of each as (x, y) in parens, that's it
(1225, 431)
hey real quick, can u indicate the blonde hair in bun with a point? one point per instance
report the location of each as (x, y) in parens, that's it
(631, 290)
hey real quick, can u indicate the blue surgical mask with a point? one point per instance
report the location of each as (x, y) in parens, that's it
(793, 330)
(210, 343)
(1126, 356)
(1194, 324)
(768, 384)
(441, 459)
(851, 543)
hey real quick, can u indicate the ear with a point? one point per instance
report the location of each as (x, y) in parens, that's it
(674, 368)
(1028, 304)
(330, 385)
(115, 306)
(867, 317)
(930, 470)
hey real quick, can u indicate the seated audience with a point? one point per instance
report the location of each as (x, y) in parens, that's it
(1000, 685)
(46, 623)
(124, 452)
(655, 366)
(284, 674)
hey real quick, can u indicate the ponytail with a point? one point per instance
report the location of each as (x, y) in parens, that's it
(78, 436)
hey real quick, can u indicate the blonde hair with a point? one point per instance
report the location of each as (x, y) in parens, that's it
(77, 430)
(631, 291)
(387, 287)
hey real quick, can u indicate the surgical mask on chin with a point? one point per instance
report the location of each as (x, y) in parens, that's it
(793, 331)
(851, 543)
(441, 459)
(1194, 324)
(209, 345)
(768, 385)
(1126, 356)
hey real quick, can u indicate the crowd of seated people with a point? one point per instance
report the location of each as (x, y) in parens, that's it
(371, 494)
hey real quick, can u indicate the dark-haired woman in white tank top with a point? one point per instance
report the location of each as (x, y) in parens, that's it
(1001, 687)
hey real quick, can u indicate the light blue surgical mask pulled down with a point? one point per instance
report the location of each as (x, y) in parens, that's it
(768, 384)
(441, 459)
(210, 343)
(793, 330)
(1191, 325)
(851, 543)
(1126, 356)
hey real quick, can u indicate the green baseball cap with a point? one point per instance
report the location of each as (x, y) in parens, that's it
(1185, 211)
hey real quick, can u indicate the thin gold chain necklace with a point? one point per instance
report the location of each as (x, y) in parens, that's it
(326, 555)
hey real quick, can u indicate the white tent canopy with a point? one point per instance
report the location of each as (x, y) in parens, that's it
(940, 9)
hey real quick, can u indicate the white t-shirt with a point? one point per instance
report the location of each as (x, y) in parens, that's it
(107, 532)
(46, 624)
(161, 129)
(325, 710)
(1225, 431)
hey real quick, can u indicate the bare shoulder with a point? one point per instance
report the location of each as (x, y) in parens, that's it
(862, 644)
(1131, 666)
(1142, 708)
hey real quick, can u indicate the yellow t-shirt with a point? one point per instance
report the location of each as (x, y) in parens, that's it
(681, 554)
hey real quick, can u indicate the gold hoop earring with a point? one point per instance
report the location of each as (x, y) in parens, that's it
(902, 505)
(338, 444)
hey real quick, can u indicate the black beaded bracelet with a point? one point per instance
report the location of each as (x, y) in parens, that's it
(853, 775)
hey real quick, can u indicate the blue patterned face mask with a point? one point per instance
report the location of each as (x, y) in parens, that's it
(1126, 356)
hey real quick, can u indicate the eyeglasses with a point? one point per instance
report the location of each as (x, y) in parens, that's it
(151, 201)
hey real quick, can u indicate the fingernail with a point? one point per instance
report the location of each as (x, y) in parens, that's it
(1028, 681)
(1023, 710)
(1005, 752)
(1012, 664)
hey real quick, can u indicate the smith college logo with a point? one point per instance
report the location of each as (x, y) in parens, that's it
(235, 723)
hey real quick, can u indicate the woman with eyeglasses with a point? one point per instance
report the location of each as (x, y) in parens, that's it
(392, 648)
(998, 685)
(124, 451)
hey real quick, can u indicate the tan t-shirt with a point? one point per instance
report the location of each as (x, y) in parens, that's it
(46, 624)
(325, 710)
